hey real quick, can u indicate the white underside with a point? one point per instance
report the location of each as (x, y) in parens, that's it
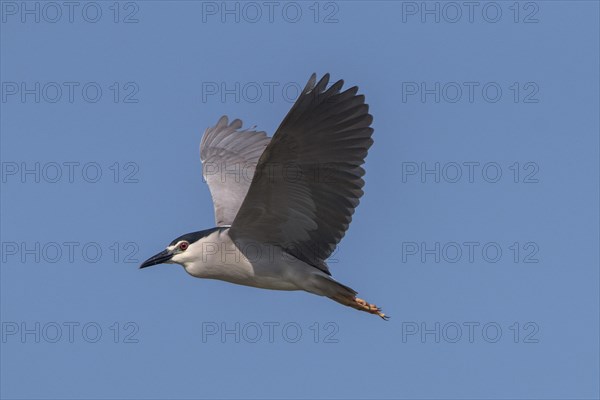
(251, 264)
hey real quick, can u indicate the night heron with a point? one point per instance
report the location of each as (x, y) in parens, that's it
(282, 204)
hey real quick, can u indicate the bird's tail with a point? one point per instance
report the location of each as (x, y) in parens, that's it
(347, 296)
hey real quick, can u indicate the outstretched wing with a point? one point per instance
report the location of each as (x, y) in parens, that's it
(229, 157)
(309, 179)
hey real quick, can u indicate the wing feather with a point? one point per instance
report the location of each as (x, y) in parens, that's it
(229, 156)
(308, 181)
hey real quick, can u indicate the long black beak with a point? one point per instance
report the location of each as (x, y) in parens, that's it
(159, 258)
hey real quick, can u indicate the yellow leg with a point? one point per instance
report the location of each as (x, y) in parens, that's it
(370, 308)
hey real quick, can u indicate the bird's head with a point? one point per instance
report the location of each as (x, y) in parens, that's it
(182, 250)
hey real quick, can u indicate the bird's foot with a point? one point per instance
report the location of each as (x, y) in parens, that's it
(370, 308)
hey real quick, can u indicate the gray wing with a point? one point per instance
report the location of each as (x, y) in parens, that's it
(309, 179)
(229, 157)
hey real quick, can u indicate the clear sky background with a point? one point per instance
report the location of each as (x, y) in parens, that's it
(492, 281)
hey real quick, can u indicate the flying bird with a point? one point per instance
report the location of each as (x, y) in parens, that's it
(282, 204)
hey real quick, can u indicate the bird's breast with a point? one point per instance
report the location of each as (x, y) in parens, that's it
(243, 262)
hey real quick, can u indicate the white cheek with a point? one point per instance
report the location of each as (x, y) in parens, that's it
(183, 257)
(191, 255)
(176, 259)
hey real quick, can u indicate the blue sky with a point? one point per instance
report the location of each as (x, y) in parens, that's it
(478, 231)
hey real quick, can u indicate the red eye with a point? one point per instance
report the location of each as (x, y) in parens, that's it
(183, 245)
